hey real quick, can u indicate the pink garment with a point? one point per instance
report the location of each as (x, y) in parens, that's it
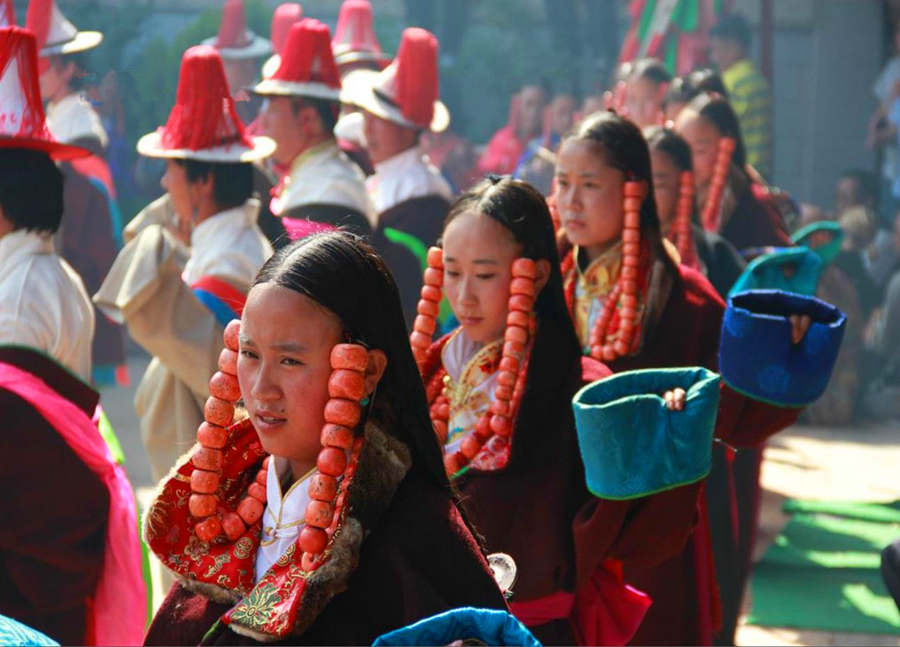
(119, 608)
(607, 610)
(298, 228)
(534, 613)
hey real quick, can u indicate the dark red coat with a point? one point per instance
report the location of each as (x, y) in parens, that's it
(54, 510)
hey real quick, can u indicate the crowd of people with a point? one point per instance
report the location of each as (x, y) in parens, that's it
(403, 390)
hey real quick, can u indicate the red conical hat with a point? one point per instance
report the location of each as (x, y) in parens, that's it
(22, 123)
(406, 91)
(234, 40)
(7, 13)
(307, 67)
(203, 124)
(282, 20)
(354, 39)
(54, 33)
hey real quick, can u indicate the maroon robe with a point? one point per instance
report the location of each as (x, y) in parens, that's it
(752, 223)
(54, 510)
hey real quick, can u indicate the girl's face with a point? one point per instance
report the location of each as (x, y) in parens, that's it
(666, 185)
(283, 370)
(478, 256)
(703, 138)
(588, 195)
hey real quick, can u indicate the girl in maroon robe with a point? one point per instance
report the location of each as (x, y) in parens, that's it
(523, 485)
(359, 534)
(668, 315)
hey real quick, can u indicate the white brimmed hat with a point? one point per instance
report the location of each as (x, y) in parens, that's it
(203, 124)
(53, 31)
(235, 41)
(354, 38)
(307, 68)
(406, 91)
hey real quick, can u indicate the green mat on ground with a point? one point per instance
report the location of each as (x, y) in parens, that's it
(823, 570)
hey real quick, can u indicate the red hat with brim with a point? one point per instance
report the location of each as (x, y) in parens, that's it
(54, 33)
(203, 124)
(282, 20)
(22, 121)
(307, 66)
(354, 38)
(406, 91)
(235, 41)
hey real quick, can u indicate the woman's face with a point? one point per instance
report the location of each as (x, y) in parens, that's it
(588, 194)
(666, 186)
(283, 370)
(703, 138)
(478, 256)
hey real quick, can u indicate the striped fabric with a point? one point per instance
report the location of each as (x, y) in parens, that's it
(751, 98)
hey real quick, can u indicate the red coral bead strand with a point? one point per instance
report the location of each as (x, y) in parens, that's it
(711, 215)
(681, 228)
(346, 387)
(429, 305)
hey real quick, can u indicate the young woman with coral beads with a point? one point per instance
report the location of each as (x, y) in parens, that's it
(325, 515)
(673, 188)
(635, 307)
(730, 198)
(500, 388)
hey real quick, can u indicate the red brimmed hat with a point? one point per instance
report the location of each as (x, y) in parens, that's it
(54, 33)
(282, 20)
(204, 125)
(7, 13)
(354, 39)
(235, 41)
(307, 68)
(406, 91)
(22, 123)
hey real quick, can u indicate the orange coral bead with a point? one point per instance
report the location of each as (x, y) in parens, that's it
(629, 272)
(443, 410)
(432, 293)
(621, 348)
(426, 307)
(232, 334)
(225, 387)
(627, 312)
(515, 334)
(319, 513)
(470, 446)
(506, 378)
(629, 300)
(522, 286)
(310, 561)
(727, 144)
(208, 529)
(500, 425)
(250, 510)
(630, 261)
(262, 476)
(504, 392)
(597, 351)
(331, 461)
(228, 361)
(313, 540)
(433, 277)
(518, 318)
(521, 302)
(339, 411)
(350, 356)
(525, 268)
(322, 487)
(337, 436)
(632, 204)
(435, 257)
(440, 430)
(632, 220)
(257, 491)
(629, 286)
(453, 463)
(233, 526)
(347, 384)
(425, 324)
(483, 428)
(608, 353)
(500, 407)
(212, 436)
(202, 505)
(513, 348)
(206, 458)
(419, 340)
(218, 412)
(631, 235)
(204, 482)
(633, 190)
(510, 364)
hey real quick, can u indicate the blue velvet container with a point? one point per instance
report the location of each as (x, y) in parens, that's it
(632, 445)
(758, 358)
(490, 626)
(767, 272)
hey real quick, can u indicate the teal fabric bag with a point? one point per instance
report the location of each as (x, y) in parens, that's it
(828, 251)
(490, 626)
(767, 272)
(632, 445)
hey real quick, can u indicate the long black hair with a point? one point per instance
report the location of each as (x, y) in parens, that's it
(717, 111)
(554, 368)
(623, 147)
(672, 144)
(341, 272)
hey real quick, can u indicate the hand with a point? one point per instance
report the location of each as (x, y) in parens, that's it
(675, 399)
(799, 325)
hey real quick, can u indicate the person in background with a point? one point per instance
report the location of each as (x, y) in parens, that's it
(881, 133)
(323, 188)
(409, 194)
(748, 89)
(526, 112)
(645, 90)
(536, 164)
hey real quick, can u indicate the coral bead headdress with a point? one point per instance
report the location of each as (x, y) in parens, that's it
(203, 124)
(22, 121)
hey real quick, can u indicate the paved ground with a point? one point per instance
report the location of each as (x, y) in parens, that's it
(849, 463)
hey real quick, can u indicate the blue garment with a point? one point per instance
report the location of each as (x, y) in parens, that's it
(14, 634)
(758, 358)
(894, 117)
(490, 626)
(632, 445)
